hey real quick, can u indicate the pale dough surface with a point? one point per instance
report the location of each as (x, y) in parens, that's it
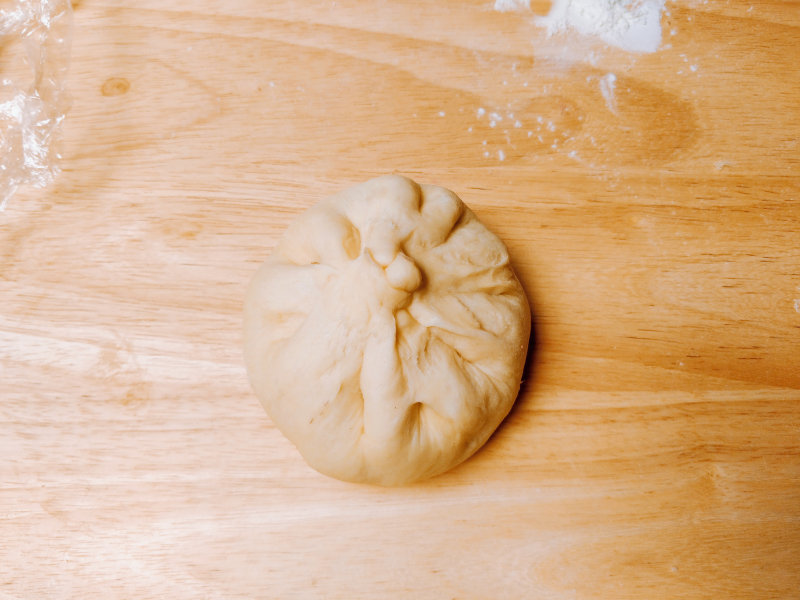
(386, 335)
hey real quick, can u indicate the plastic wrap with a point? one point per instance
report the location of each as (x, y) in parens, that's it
(35, 37)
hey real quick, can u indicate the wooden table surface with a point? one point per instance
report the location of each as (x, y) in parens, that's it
(654, 451)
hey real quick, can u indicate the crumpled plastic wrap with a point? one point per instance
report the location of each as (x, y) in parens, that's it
(35, 39)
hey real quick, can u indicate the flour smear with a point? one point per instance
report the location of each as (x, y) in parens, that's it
(633, 25)
(511, 5)
(608, 85)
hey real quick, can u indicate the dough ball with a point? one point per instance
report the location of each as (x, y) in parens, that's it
(387, 333)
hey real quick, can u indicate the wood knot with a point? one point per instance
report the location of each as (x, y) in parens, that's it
(115, 86)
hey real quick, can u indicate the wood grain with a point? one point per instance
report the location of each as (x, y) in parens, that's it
(654, 451)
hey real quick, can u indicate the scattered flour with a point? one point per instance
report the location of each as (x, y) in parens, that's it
(633, 25)
(630, 25)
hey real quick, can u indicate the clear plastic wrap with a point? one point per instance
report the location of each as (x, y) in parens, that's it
(35, 37)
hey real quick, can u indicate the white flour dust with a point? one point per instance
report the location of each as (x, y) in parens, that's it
(633, 25)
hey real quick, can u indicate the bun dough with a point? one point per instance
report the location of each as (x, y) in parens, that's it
(387, 333)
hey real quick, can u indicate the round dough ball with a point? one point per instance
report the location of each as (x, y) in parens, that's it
(386, 335)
